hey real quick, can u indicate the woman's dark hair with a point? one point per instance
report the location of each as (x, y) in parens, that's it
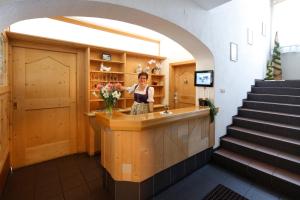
(143, 74)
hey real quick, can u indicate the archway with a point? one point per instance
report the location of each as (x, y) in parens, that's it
(13, 11)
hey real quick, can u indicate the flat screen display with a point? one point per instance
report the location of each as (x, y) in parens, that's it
(204, 78)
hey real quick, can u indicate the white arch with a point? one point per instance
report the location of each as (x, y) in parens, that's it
(142, 12)
(12, 11)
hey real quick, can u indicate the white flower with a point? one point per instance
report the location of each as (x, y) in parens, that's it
(116, 94)
(105, 95)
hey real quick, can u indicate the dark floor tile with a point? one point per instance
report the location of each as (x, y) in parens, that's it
(58, 197)
(72, 182)
(238, 184)
(91, 174)
(20, 194)
(202, 181)
(78, 193)
(70, 172)
(94, 185)
(47, 191)
(255, 193)
(47, 179)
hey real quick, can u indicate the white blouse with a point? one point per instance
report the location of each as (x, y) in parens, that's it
(150, 92)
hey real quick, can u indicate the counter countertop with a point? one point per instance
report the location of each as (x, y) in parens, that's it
(121, 121)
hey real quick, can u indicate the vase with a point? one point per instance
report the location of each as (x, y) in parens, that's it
(109, 110)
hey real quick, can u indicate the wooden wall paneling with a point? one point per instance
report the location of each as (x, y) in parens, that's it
(4, 137)
(88, 78)
(4, 170)
(4, 115)
(152, 151)
(211, 134)
(82, 84)
(10, 100)
(171, 87)
(90, 141)
(198, 135)
(175, 146)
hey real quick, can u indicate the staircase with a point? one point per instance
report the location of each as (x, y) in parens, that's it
(263, 142)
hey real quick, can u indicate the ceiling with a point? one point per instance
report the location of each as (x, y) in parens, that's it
(210, 4)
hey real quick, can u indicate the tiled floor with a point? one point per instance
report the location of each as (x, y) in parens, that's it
(79, 177)
(199, 183)
(70, 178)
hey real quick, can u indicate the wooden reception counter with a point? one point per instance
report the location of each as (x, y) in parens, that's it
(143, 154)
(136, 147)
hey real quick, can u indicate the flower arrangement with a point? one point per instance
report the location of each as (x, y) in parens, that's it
(110, 93)
(156, 68)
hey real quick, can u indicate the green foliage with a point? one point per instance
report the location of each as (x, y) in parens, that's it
(213, 110)
(270, 72)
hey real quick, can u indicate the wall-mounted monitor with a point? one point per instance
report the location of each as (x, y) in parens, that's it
(204, 78)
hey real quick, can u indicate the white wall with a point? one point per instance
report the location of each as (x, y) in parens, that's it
(186, 23)
(229, 23)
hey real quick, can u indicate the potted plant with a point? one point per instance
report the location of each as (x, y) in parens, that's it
(212, 109)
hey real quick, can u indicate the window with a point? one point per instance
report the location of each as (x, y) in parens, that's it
(285, 20)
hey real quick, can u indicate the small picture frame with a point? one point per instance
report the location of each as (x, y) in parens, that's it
(263, 29)
(249, 36)
(106, 56)
(233, 52)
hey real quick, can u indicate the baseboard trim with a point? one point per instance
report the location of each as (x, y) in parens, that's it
(3, 174)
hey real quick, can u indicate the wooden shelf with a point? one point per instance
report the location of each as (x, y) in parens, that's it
(110, 72)
(123, 66)
(97, 100)
(106, 61)
(106, 81)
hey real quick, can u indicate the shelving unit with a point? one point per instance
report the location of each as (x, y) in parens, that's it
(122, 70)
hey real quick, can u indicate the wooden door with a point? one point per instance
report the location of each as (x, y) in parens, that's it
(44, 105)
(182, 89)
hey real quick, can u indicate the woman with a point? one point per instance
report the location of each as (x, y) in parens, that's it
(143, 95)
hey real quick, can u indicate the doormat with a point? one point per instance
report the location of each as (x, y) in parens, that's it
(220, 192)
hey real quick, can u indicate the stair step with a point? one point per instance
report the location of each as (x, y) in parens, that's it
(259, 171)
(287, 99)
(278, 117)
(273, 141)
(260, 152)
(281, 83)
(276, 90)
(288, 131)
(274, 107)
